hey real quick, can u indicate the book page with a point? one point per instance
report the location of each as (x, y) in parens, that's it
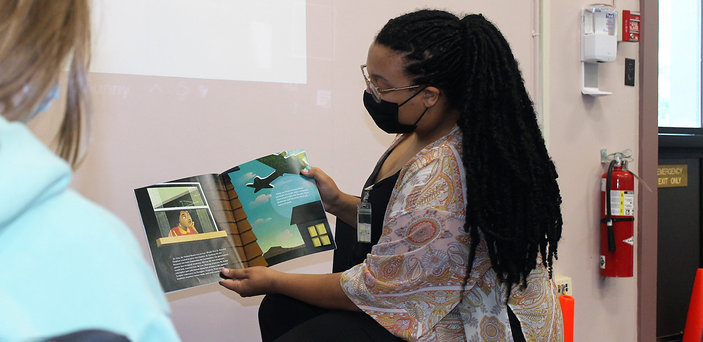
(187, 229)
(282, 207)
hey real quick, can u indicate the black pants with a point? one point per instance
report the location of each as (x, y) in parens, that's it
(282, 318)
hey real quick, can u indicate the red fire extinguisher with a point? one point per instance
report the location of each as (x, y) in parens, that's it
(617, 220)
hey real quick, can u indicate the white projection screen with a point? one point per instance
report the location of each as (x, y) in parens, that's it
(210, 39)
(189, 87)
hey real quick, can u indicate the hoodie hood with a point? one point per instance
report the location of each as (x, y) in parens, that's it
(29, 172)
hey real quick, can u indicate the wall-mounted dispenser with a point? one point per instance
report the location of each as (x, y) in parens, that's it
(599, 44)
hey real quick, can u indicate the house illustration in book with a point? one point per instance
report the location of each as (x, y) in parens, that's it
(241, 230)
(312, 224)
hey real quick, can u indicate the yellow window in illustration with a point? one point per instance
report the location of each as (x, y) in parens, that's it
(321, 228)
(325, 239)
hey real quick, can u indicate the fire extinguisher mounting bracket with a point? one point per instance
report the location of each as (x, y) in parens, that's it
(605, 158)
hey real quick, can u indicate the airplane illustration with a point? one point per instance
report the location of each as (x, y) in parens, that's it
(282, 164)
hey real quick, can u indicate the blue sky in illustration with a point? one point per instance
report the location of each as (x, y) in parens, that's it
(267, 210)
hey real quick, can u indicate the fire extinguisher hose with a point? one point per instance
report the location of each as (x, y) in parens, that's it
(609, 214)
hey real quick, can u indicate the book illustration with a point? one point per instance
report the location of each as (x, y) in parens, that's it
(281, 164)
(178, 208)
(285, 208)
(259, 213)
(186, 226)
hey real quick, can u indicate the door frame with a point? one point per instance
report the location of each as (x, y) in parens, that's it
(647, 166)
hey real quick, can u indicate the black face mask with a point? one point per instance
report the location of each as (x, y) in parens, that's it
(385, 114)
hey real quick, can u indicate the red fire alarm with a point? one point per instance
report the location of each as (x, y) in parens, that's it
(630, 26)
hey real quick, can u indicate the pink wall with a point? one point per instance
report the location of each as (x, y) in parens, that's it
(580, 126)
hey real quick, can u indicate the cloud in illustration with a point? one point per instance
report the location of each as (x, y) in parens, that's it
(284, 235)
(262, 221)
(247, 176)
(283, 181)
(261, 199)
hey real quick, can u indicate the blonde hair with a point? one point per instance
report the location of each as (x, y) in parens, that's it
(37, 39)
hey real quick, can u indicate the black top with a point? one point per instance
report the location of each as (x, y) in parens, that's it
(349, 251)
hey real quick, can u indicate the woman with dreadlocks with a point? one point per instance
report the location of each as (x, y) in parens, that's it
(465, 207)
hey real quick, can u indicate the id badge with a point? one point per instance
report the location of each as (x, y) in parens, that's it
(363, 222)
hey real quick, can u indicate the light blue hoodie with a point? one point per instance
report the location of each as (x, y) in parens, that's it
(65, 263)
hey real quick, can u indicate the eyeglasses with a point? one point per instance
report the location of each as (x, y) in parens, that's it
(375, 91)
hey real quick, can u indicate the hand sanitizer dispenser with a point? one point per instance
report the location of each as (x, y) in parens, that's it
(599, 44)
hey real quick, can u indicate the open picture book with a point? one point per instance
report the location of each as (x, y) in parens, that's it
(259, 213)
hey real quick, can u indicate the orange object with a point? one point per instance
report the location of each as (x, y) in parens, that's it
(693, 331)
(567, 311)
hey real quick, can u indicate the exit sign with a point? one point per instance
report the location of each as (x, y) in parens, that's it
(672, 176)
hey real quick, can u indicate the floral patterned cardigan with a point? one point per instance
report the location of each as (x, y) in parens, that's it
(412, 281)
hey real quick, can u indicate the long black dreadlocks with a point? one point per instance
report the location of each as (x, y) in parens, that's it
(513, 196)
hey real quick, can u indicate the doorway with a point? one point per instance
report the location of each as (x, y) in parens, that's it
(680, 153)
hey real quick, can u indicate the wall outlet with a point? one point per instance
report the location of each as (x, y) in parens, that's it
(563, 285)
